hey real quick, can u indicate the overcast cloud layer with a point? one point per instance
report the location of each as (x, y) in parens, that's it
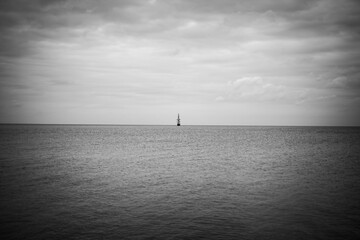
(283, 62)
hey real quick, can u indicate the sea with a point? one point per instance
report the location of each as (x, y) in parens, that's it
(188, 182)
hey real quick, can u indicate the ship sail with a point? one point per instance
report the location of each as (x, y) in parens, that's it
(178, 120)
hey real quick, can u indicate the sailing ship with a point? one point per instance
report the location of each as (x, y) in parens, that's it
(178, 120)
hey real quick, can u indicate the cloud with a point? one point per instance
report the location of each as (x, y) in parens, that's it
(344, 82)
(291, 52)
(256, 89)
(231, 6)
(25, 22)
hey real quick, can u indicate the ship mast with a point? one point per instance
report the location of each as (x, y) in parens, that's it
(178, 120)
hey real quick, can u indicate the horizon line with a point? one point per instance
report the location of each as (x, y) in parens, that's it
(210, 125)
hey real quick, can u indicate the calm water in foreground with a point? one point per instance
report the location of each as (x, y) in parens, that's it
(168, 182)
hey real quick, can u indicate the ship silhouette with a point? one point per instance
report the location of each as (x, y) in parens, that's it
(178, 120)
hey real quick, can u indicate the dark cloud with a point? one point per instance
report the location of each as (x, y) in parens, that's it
(231, 6)
(23, 22)
(18, 19)
(333, 27)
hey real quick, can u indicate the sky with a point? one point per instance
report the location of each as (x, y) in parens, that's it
(215, 62)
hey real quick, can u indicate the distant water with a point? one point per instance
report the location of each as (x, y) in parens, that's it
(188, 182)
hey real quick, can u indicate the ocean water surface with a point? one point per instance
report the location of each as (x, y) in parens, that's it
(188, 182)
